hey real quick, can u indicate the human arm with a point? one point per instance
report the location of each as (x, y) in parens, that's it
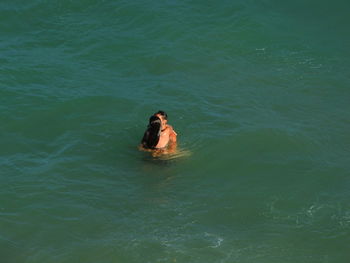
(172, 146)
(172, 135)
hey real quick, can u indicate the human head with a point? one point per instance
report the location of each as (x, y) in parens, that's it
(151, 135)
(154, 120)
(162, 116)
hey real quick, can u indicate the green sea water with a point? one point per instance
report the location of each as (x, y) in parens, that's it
(258, 92)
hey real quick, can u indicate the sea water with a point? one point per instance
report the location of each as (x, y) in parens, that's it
(258, 92)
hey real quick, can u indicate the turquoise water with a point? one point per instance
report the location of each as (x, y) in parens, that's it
(258, 92)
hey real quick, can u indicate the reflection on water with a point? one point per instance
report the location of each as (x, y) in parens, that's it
(158, 175)
(180, 153)
(163, 157)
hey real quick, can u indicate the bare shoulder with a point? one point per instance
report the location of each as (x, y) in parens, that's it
(171, 129)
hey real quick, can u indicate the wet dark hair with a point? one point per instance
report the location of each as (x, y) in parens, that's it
(151, 136)
(162, 113)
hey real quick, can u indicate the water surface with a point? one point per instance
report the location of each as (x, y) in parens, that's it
(258, 92)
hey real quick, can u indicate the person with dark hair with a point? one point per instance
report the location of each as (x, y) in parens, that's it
(159, 136)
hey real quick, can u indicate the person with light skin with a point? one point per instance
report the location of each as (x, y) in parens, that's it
(160, 137)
